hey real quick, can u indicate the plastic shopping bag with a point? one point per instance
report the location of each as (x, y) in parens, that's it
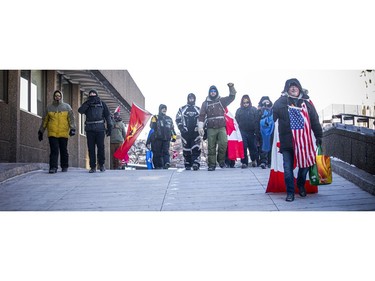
(321, 173)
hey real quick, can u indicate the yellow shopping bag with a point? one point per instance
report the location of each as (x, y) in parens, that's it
(321, 173)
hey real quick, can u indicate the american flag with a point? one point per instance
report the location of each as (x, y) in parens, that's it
(302, 140)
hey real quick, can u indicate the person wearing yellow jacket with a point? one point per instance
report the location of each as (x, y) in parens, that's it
(60, 124)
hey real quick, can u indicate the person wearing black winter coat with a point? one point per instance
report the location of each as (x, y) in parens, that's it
(160, 139)
(289, 110)
(248, 122)
(97, 114)
(187, 123)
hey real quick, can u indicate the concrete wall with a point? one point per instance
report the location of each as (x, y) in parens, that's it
(19, 139)
(351, 147)
(125, 85)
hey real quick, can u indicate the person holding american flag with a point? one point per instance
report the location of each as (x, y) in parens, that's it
(298, 119)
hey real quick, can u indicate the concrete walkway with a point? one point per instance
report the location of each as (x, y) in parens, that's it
(170, 190)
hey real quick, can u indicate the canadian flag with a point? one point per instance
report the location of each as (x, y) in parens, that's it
(235, 143)
(276, 182)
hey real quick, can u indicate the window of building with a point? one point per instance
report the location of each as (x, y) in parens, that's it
(4, 85)
(82, 117)
(33, 91)
(66, 87)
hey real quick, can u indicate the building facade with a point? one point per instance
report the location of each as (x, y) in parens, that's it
(25, 94)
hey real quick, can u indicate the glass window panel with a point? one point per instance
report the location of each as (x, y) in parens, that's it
(82, 117)
(24, 94)
(37, 92)
(33, 105)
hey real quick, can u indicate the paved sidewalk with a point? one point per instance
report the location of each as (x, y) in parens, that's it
(170, 190)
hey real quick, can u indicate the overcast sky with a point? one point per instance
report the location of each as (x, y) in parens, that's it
(172, 48)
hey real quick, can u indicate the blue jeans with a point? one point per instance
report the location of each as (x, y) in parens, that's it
(288, 161)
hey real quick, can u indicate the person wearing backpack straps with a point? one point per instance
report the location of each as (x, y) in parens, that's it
(212, 111)
(97, 114)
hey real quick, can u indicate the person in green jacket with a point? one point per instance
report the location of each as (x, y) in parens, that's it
(60, 124)
(117, 139)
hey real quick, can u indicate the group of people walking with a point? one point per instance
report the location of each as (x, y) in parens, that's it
(208, 122)
(293, 110)
(60, 123)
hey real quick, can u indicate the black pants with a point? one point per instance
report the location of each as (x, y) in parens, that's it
(96, 139)
(249, 143)
(160, 153)
(58, 145)
(191, 144)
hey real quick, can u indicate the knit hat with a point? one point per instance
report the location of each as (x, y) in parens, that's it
(93, 91)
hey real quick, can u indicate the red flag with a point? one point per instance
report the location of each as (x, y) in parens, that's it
(235, 144)
(276, 182)
(138, 119)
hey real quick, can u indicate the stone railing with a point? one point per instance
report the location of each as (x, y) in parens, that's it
(351, 145)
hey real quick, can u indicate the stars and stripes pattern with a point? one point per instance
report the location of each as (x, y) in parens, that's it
(302, 139)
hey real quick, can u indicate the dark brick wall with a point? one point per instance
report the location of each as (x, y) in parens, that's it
(354, 148)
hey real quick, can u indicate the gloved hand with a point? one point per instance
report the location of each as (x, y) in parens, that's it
(174, 137)
(318, 142)
(40, 136)
(148, 146)
(200, 128)
(72, 132)
(108, 132)
(182, 129)
(232, 90)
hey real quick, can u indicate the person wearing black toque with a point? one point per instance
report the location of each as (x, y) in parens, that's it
(59, 121)
(187, 123)
(97, 114)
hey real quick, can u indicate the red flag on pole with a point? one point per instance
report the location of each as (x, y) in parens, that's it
(138, 119)
(235, 143)
(118, 109)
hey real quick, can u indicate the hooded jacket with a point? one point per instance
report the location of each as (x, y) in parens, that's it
(118, 130)
(187, 117)
(247, 117)
(280, 112)
(58, 118)
(162, 126)
(213, 109)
